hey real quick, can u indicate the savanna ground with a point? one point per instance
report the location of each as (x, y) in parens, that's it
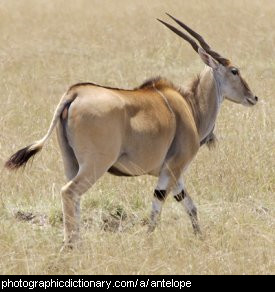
(47, 45)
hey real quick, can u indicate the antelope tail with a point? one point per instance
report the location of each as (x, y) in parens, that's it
(22, 156)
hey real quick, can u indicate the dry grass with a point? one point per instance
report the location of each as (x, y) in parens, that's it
(47, 45)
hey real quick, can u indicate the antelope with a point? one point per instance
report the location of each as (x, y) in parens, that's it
(155, 129)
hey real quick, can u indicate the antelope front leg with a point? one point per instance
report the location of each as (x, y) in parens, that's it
(181, 195)
(160, 194)
(159, 198)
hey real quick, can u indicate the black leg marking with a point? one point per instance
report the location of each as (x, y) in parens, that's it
(190, 209)
(179, 197)
(160, 194)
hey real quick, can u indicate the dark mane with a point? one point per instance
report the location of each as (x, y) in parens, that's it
(149, 83)
(159, 83)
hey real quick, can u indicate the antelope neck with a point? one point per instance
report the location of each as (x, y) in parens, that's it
(208, 101)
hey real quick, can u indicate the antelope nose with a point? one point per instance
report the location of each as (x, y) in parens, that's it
(256, 98)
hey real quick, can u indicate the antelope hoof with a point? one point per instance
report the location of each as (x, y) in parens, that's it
(66, 247)
(151, 228)
(70, 244)
(197, 232)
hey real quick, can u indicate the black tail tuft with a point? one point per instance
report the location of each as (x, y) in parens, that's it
(21, 157)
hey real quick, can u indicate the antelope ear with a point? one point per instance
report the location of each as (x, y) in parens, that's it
(207, 59)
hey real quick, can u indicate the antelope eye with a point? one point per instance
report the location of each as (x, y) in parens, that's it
(234, 71)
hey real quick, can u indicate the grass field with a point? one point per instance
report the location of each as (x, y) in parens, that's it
(47, 45)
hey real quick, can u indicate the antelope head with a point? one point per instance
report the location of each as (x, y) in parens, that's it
(231, 84)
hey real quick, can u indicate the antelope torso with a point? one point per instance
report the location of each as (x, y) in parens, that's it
(140, 124)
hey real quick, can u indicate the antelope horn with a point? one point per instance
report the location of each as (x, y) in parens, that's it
(198, 37)
(181, 34)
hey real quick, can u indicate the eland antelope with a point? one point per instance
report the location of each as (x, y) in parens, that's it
(156, 128)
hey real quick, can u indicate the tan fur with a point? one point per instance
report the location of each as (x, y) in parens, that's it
(154, 129)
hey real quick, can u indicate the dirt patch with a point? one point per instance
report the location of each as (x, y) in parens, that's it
(39, 219)
(104, 220)
(24, 216)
